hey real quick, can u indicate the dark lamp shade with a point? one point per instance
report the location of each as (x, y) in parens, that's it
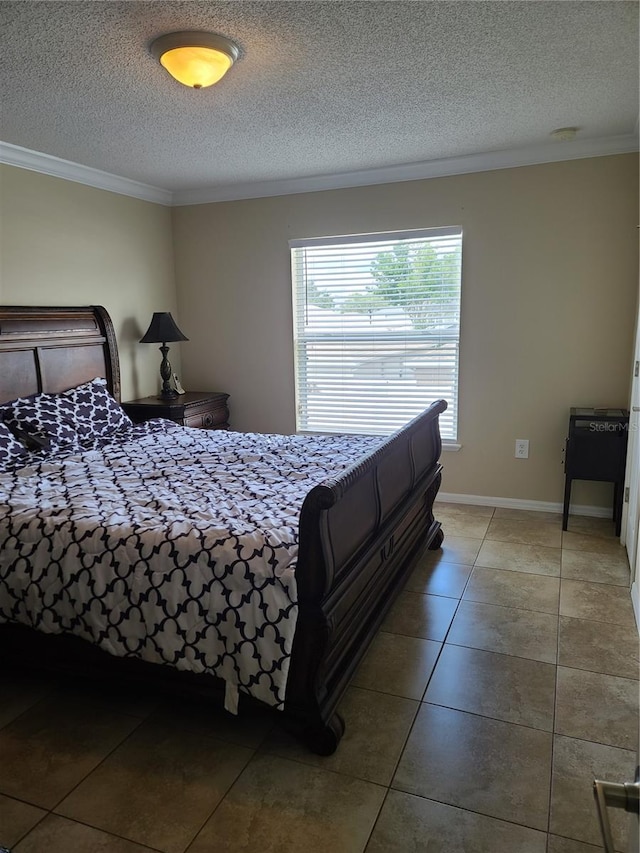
(162, 329)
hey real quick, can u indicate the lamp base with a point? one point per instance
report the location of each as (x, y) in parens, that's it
(167, 393)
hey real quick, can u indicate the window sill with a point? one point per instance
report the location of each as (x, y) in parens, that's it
(450, 445)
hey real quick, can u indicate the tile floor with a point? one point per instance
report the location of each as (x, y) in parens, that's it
(503, 680)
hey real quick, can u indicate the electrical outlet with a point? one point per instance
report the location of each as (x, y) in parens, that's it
(522, 448)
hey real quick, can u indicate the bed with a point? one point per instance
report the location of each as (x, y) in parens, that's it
(356, 533)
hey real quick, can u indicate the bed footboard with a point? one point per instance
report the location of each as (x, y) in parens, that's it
(359, 537)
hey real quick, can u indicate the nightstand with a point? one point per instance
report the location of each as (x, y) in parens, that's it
(596, 449)
(203, 409)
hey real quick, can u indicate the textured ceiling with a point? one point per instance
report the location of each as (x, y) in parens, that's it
(321, 88)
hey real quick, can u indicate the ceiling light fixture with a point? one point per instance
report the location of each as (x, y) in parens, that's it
(564, 134)
(195, 59)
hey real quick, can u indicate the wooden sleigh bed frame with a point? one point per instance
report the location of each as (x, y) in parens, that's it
(359, 533)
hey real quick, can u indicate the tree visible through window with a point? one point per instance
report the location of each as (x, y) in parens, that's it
(376, 329)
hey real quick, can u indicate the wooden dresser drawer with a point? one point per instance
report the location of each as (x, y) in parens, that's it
(214, 419)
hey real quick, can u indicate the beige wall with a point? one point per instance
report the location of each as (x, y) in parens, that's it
(62, 243)
(549, 279)
(549, 276)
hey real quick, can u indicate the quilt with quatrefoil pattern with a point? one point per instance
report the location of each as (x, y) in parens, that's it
(174, 545)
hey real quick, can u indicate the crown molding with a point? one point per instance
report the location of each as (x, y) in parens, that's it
(549, 152)
(46, 164)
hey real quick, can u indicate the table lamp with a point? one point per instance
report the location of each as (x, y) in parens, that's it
(162, 329)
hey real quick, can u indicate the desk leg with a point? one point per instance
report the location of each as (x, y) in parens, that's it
(567, 500)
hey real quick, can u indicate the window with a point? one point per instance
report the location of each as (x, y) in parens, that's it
(376, 329)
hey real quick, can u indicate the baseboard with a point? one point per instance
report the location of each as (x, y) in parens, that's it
(635, 601)
(519, 503)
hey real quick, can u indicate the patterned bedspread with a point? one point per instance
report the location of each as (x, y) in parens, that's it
(169, 544)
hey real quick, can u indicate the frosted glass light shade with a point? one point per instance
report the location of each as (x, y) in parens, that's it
(195, 59)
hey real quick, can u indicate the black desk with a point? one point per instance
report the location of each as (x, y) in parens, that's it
(596, 449)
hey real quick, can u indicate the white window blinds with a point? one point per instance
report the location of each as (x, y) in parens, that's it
(376, 329)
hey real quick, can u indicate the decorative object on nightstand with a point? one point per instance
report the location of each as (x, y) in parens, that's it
(596, 449)
(202, 409)
(162, 329)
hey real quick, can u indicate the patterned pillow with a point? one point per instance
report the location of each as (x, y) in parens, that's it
(68, 420)
(11, 450)
(46, 419)
(97, 414)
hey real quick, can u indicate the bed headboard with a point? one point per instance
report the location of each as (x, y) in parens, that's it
(54, 349)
